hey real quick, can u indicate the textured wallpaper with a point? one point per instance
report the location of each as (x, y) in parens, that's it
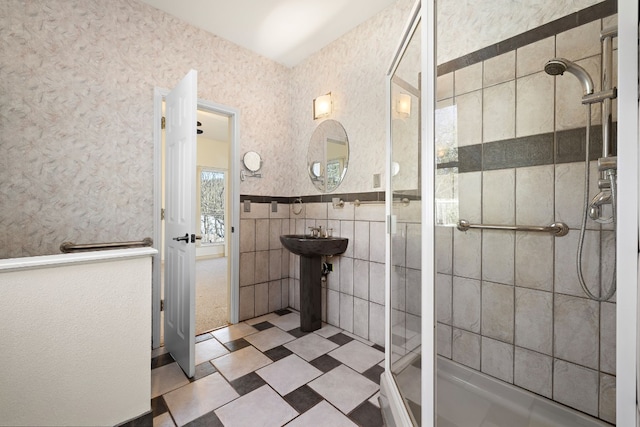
(353, 68)
(76, 110)
(465, 26)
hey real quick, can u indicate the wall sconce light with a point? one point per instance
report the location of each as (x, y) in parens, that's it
(403, 105)
(322, 106)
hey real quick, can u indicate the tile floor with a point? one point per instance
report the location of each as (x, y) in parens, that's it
(266, 372)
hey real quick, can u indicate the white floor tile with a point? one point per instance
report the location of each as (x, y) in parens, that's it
(166, 378)
(322, 415)
(209, 350)
(158, 351)
(260, 408)
(356, 337)
(374, 400)
(311, 346)
(357, 355)
(265, 318)
(327, 331)
(344, 388)
(269, 338)
(287, 322)
(288, 374)
(234, 332)
(239, 363)
(199, 397)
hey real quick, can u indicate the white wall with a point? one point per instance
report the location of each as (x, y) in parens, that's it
(75, 338)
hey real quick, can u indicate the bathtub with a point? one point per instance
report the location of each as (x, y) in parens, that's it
(468, 398)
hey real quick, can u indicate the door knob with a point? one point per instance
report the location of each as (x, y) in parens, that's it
(194, 238)
(184, 238)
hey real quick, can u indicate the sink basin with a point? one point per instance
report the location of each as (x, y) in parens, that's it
(304, 245)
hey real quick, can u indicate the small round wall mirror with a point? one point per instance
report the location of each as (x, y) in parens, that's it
(252, 161)
(328, 155)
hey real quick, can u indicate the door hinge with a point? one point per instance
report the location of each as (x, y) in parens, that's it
(163, 123)
(233, 230)
(161, 305)
(162, 214)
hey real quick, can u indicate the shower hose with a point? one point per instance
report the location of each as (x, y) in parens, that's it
(610, 173)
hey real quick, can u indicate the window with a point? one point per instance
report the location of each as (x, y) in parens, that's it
(212, 205)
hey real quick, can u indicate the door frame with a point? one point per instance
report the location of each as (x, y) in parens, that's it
(233, 114)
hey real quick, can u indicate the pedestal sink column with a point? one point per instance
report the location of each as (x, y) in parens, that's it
(310, 293)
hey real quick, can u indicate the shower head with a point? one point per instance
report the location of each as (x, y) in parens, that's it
(557, 66)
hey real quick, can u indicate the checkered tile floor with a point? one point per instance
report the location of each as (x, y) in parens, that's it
(266, 372)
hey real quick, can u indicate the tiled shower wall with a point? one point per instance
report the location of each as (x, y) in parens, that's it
(353, 294)
(509, 303)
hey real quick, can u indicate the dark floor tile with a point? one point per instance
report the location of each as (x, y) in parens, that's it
(158, 406)
(278, 353)
(207, 420)
(325, 363)
(203, 337)
(163, 359)
(282, 312)
(416, 410)
(303, 399)
(145, 420)
(378, 347)
(367, 415)
(373, 373)
(297, 332)
(340, 339)
(247, 383)
(237, 344)
(203, 370)
(263, 325)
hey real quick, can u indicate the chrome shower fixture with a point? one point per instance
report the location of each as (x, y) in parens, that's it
(558, 66)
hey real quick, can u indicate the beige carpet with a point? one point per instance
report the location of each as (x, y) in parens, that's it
(211, 295)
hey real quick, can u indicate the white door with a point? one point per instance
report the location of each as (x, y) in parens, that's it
(180, 227)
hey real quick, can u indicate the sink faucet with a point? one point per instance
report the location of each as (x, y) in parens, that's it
(316, 231)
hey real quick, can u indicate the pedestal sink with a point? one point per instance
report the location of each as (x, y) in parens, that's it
(311, 250)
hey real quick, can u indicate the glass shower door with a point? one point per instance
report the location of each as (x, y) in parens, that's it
(405, 214)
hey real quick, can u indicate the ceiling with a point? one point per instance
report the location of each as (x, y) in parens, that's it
(286, 31)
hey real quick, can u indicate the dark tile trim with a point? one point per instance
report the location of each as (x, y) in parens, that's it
(319, 198)
(584, 16)
(518, 152)
(544, 149)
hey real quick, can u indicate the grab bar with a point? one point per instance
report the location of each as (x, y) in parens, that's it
(68, 247)
(404, 201)
(558, 228)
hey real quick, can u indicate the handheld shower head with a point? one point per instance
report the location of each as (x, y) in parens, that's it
(557, 66)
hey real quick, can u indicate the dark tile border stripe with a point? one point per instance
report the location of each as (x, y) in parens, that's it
(565, 146)
(584, 16)
(318, 198)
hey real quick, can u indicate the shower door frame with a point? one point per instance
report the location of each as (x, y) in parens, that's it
(627, 233)
(422, 13)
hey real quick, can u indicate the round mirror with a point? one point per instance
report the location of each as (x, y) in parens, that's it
(328, 155)
(252, 161)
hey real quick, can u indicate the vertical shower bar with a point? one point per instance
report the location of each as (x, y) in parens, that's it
(606, 37)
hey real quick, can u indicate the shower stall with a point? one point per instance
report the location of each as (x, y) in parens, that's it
(503, 306)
